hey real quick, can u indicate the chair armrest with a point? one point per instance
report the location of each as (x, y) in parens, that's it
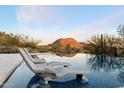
(39, 61)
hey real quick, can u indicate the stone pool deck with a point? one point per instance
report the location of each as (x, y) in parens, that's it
(8, 63)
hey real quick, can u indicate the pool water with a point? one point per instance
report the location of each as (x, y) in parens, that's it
(103, 72)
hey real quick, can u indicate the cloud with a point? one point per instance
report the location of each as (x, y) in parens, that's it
(27, 14)
(36, 14)
(46, 35)
(100, 26)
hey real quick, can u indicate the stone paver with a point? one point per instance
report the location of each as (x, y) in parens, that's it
(8, 63)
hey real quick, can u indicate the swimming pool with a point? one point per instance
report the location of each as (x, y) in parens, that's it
(103, 72)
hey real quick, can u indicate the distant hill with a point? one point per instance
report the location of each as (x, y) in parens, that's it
(65, 45)
(64, 42)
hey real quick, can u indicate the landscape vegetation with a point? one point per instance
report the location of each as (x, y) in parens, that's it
(100, 44)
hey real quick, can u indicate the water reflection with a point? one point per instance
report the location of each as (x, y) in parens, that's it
(66, 54)
(121, 75)
(36, 82)
(105, 63)
(108, 64)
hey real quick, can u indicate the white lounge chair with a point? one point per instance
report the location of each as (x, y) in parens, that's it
(47, 72)
(41, 61)
(36, 60)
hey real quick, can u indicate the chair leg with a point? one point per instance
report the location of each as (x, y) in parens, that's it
(79, 76)
(45, 81)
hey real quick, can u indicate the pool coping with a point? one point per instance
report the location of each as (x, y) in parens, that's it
(6, 76)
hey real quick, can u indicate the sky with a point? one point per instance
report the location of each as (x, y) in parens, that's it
(49, 23)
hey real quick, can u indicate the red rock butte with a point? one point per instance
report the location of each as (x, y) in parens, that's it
(64, 42)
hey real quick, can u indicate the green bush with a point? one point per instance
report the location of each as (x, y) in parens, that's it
(9, 43)
(102, 44)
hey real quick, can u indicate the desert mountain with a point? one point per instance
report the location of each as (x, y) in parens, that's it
(64, 42)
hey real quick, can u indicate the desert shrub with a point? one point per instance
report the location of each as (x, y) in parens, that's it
(9, 43)
(102, 44)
